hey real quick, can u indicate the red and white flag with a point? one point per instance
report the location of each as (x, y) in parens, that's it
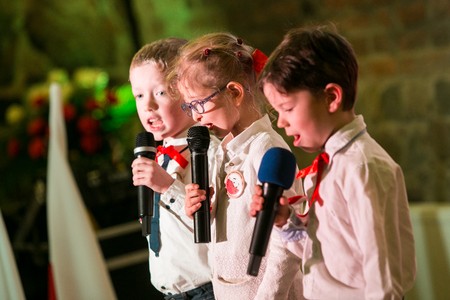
(10, 284)
(77, 265)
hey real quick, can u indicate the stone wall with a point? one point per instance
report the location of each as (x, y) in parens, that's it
(403, 49)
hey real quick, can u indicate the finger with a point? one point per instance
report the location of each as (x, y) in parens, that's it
(284, 200)
(258, 190)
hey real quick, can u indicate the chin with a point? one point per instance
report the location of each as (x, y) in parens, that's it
(157, 136)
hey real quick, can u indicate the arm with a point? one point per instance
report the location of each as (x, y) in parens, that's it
(384, 234)
(282, 278)
(149, 173)
(288, 225)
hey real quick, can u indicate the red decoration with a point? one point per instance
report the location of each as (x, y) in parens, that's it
(173, 154)
(90, 143)
(91, 104)
(259, 60)
(13, 148)
(87, 124)
(37, 127)
(37, 148)
(69, 112)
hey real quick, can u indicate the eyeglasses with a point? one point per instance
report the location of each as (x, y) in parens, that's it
(199, 105)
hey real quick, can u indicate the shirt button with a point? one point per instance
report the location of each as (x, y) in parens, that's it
(163, 288)
(168, 206)
(172, 200)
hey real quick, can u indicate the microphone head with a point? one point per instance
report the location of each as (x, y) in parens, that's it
(278, 167)
(145, 142)
(198, 138)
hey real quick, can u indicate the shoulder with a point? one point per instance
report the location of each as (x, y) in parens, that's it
(367, 160)
(264, 141)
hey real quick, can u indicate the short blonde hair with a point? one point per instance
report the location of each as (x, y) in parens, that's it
(162, 52)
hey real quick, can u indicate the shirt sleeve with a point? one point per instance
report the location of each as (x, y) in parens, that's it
(378, 218)
(282, 277)
(173, 199)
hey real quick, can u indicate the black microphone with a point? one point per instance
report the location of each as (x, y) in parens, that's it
(276, 173)
(198, 142)
(145, 146)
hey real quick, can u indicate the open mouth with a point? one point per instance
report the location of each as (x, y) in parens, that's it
(155, 123)
(297, 139)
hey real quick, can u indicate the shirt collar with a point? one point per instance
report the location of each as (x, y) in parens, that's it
(344, 136)
(240, 142)
(180, 140)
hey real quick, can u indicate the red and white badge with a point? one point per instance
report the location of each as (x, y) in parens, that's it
(235, 184)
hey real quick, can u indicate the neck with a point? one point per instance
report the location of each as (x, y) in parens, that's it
(248, 115)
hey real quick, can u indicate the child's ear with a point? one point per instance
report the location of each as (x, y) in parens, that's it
(334, 96)
(237, 91)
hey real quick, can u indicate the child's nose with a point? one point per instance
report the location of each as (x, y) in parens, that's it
(281, 123)
(196, 116)
(151, 104)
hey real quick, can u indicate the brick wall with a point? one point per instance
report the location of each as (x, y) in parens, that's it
(403, 49)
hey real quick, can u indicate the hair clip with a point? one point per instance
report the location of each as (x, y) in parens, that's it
(206, 52)
(239, 54)
(259, 60)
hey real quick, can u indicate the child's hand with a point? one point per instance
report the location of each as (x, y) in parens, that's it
(147, 172)
(257, 204)
(194, 197)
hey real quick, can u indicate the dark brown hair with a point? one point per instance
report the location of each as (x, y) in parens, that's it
(309, 59)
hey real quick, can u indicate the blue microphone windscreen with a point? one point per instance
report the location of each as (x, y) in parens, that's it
(278, 166)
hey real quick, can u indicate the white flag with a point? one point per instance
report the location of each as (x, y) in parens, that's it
(77, 263)
(10, 284)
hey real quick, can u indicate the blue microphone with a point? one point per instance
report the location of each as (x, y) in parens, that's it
(276, 173)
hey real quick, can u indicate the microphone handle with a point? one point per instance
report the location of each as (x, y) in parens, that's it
(145, 203)
(263, 226)
(145, 208)
(199, 168)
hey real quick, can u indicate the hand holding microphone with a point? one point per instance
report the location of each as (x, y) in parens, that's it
(276, 173)
(145, 146)
(198, 140)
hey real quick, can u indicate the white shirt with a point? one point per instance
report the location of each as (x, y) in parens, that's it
(182, 265)
(233, 226)
(360, 243)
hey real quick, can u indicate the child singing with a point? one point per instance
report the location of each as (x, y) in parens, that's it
(217, 75)
(178, 268)
(355, 237)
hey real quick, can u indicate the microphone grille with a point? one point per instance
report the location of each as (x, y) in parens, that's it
(145, 139)
(198, 138)
(278, 167)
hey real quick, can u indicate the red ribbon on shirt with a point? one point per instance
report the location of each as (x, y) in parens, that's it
(173, 154)
(316, 167)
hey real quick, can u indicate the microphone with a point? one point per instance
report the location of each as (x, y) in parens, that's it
(145, 147)
(276, 173)
(198, 142)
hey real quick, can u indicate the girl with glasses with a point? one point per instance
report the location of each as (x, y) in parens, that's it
(216, 75)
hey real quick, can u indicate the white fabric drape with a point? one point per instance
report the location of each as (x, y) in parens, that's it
(78, 266)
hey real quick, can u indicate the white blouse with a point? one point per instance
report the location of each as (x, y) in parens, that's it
(233, 226)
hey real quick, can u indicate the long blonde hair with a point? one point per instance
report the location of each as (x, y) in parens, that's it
(213, 60)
